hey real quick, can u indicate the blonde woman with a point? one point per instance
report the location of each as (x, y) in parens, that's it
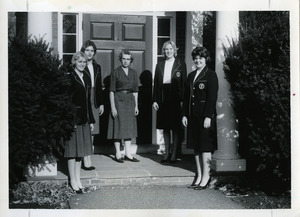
(169, 79)
(80, 143)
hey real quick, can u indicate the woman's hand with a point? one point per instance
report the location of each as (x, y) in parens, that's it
(92, 127)
(114, 112)
(207, 123)
(155, 106)
(101, 109)
(136, 110)
(184, 121)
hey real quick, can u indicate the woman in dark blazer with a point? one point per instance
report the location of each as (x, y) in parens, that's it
(80, 143)
(169, 79)
(199, 115)
(93, 70)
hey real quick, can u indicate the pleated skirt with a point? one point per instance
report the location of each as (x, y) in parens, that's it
(80, 143)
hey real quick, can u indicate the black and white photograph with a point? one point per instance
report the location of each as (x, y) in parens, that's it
(151, 111)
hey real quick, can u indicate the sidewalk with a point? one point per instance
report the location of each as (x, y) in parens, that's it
(148, 171)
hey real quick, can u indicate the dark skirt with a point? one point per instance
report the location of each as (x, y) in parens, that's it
(80, 143)
(95, 111)
(199, 138)
(124, 126)
(169, 112)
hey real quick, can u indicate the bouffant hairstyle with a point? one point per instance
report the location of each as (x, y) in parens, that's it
(126, 52)
(172, 44)
(76, 56)
(87, 44)
(202, 52)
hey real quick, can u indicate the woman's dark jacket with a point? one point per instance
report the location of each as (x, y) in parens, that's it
(98, 93)
(201, 96)
(80, 96)
(178, 78)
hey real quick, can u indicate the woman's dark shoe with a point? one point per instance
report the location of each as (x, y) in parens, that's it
(132, 160)
(203, 187)
(173, 161)
(193, 185)
(79, 191)
(87, 168)
(165, 160)
(119, 160)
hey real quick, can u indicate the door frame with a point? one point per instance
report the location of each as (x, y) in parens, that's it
(155, 16)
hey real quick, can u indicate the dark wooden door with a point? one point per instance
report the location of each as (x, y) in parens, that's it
(112, 33)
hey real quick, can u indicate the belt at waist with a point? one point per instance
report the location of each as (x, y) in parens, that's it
(124, 91)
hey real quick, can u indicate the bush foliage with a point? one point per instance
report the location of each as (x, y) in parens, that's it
(40, 111)
(258, 68)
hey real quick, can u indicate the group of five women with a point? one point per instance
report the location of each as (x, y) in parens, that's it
(178, 99)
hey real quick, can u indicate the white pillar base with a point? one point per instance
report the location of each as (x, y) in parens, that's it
(222, 165)
(49, 169)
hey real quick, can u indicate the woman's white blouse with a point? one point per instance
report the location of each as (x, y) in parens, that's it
(91, 69)
(168, 71)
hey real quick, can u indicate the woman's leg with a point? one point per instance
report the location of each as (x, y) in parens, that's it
(175, 145)
(199, 171)
(87, 159)
(71, 168)
(206, 161)
(167, 144)
(127, 148)
(117, 144)
(77, 172)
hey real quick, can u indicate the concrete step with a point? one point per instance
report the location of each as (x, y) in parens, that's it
(149, 171)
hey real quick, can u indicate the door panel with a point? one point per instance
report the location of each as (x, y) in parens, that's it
(111, 34)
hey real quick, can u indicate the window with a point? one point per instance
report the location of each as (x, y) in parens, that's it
(163, 35)
(69, 36)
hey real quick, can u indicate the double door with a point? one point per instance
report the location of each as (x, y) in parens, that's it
(112, 33)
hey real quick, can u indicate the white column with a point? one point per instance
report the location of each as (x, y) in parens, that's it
(226, 157)
(40, 25)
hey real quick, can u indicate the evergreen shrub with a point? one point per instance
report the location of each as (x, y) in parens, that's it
(40, 112)
(258, 68)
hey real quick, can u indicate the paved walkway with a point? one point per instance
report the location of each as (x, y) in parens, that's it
(147, 176)
(152, 197)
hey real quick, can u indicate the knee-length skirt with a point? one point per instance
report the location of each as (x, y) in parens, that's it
(199, 138)
(124, 126)
(95, 111)
(169, 112)
(80, 143)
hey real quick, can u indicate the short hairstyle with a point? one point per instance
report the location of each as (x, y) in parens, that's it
(89, 43)
(172, 44)
(126, 52)
(76, 56)
(202, 52)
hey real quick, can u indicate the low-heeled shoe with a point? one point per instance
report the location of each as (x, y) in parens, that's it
(88, 168)
(119, 160)
(164, 160)
(132, 160)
